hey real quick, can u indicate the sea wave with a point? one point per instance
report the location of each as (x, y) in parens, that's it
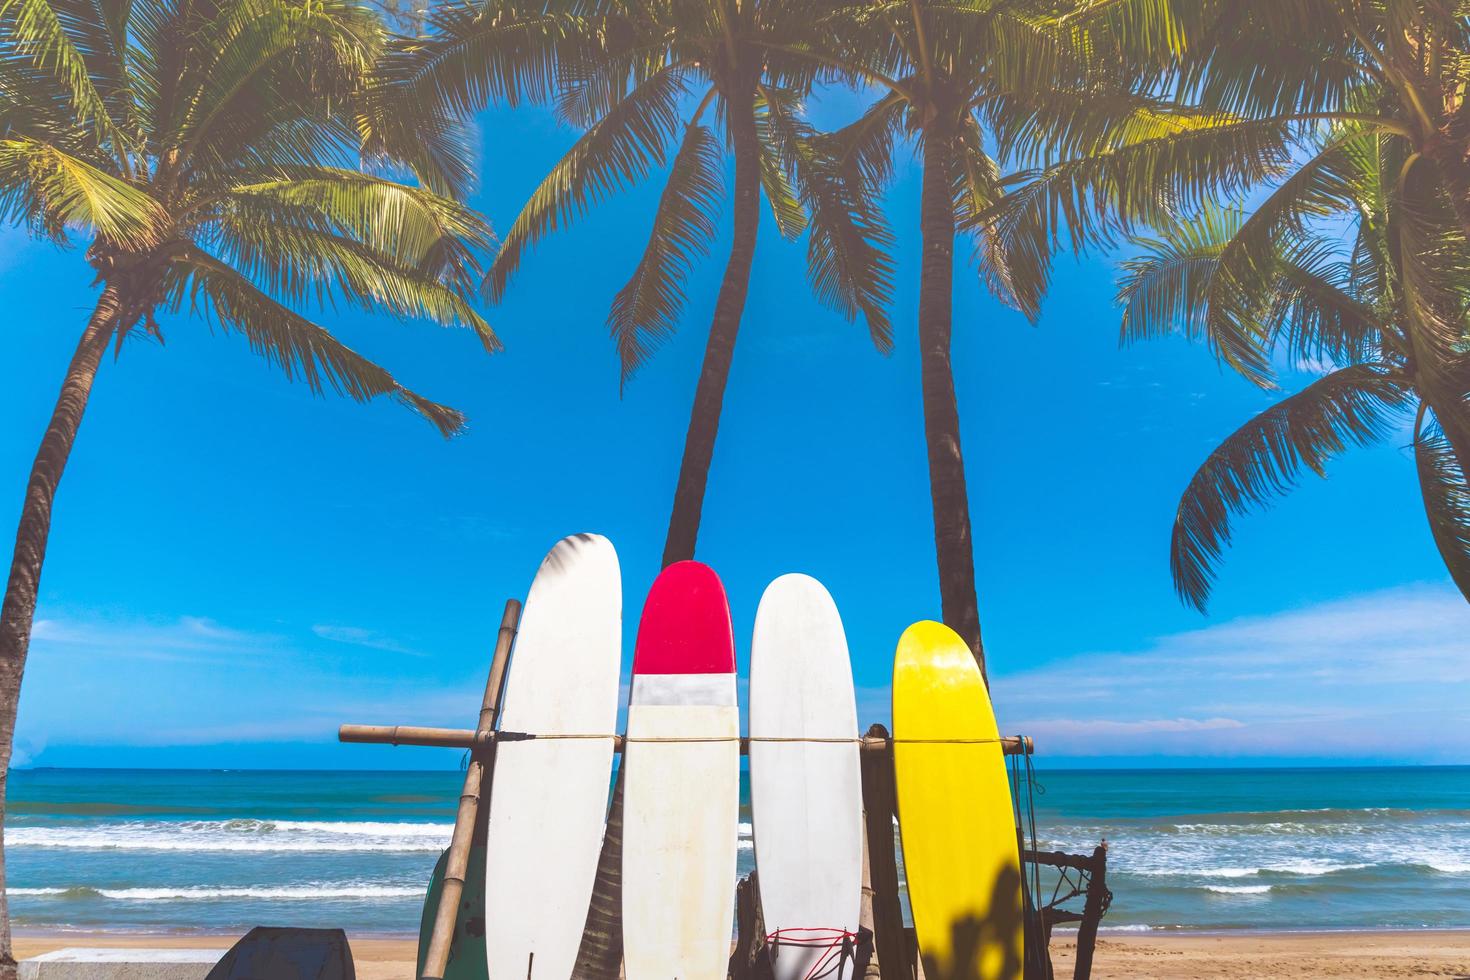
(1238, 889)
(1307, 867)
(1270, 819)
(1443, 865)
(1273, 823)
(237, 835)
(1310, 867)
(1440, 849)
(288, 893)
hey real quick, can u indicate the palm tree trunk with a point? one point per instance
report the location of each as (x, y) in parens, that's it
(1449, 150)
(1453, 416)
(947, 490)
(30, 551)
(601, 954)
(704, 419)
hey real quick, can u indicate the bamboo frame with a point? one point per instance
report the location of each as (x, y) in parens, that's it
(464, 738)
(436, 959)
(481, 740)
(1092, 911)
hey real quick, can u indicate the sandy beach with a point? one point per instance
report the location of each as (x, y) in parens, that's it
(1301, 956)
(1359, 955)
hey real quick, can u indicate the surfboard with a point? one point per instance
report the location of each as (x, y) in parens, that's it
(958, 830)
(681, 799)
(548, 800)
(467, 946)
(805, 796)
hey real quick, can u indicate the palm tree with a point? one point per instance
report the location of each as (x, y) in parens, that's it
(1393, 68)
(676, 84)
(1212, 125)
(207, 152)
(953, 73)
(1290, 288)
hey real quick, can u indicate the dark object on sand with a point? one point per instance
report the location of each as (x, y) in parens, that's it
(272, 953)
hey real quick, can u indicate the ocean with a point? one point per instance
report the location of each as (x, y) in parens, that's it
(199, 850)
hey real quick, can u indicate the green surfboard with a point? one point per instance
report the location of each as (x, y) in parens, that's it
(467, 948)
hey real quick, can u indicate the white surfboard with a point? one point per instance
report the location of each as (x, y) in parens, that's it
(548, 800)
(681, 791)
(805, 796)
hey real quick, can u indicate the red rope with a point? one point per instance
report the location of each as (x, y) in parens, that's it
(835, 943)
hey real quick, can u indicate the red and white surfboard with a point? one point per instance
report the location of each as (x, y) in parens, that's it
(681, 789)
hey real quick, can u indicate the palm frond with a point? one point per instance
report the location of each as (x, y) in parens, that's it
(868, 143)
(1046, 126)
(433, 144)
(103, 29)
(977, 189)
(48, 189)
(1180, 282)
(620, 150)
(413, 226)
(35, 33)
(786, 209)
(646, 310)
(1315, 315)
(1322, 186)
(472, 55)
(302, 350)
(1275, 59)
(1094, 200)
(1263, 458)
(292, 257)
(275, 55)
(1142, 31)
(848, 249)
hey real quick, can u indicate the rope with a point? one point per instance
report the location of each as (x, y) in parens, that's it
(837, 945)
(1032, 925)
(505, 736)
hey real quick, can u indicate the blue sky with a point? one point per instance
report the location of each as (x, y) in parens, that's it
(238, 567)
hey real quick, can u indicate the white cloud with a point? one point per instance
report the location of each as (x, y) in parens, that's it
(1151, 726)
(358, 636)
(109, 681)
(193, 639)
(1383, 675)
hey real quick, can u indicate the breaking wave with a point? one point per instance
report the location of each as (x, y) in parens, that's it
(237, 835)
(306, 893)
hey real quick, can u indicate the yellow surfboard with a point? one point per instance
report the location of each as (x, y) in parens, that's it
(955, 819)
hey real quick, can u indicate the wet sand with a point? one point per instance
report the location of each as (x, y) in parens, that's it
(1303, 956)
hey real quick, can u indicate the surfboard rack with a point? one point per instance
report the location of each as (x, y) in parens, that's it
(895, 957)
(465, 738)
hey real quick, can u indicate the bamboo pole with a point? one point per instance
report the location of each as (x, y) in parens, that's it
(464, 738)
(455, 866)
(871, 968)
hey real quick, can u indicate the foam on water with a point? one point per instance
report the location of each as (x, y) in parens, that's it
(303, 893)
(205, 836)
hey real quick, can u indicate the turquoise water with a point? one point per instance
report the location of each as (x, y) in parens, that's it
(1189, 849)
